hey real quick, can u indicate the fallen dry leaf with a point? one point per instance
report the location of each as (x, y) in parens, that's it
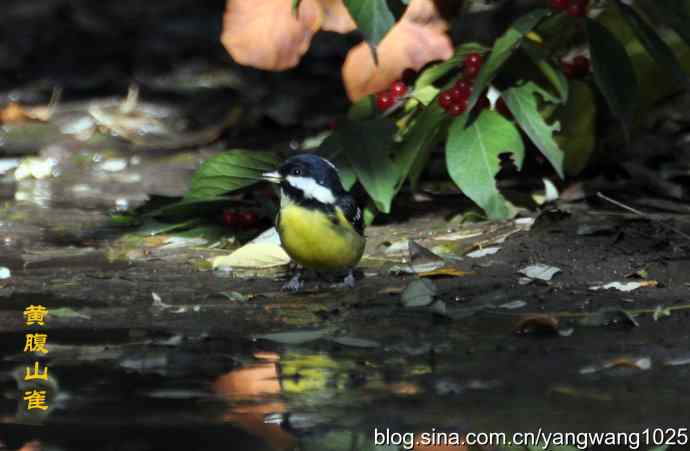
(266, 34)
(418, 38)
(448, 271)
(537, 323)
(253, 255)
(13, 112)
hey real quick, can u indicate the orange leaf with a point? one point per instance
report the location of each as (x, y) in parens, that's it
(266, 35)
(419, 37)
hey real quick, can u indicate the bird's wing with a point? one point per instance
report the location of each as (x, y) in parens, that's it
(352, 212)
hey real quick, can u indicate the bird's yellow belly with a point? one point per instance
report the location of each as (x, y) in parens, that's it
(311, 239)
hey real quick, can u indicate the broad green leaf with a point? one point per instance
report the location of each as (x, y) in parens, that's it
(472, 156)
(554, 75)
(675, 14)
(654, 44)
(578, 125)
(433, 73)
(522, 102)
(613, 73)
(360, 152)
(373, 18)
(503, 49)
(418, 141)
(230, 171)
(333, 150)
(362, 109)
(366, 145)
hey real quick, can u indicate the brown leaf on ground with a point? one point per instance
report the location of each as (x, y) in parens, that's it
(419, 37)
(13, 112)
(266, 34)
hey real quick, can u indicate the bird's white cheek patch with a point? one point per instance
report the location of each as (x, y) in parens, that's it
(311, 189)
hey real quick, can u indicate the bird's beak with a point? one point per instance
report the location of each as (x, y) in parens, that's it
(273, 177)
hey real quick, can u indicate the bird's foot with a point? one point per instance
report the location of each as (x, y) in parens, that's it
(294, 284)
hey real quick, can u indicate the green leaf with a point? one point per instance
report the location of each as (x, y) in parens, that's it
(418, 142)
(503, 49)
(230, 171)
(295, 6)
(675, 14)
(373, 18)
(522, 102)
(613, 73)
(554, 75)
(578, 125)
(655, 46)
(472, 156)
(366, 146)
(433, 73)
(362, 109)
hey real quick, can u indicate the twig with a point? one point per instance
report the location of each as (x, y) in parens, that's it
(643, 215)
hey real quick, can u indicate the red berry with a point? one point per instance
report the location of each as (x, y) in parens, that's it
(560, 5)
(470, 72)
(581, 65)
(408, 75)
(577, 9)
(568, 70)
(456, 109)
(474, 59)
(248, 218)
(445, 99)
(398, 88)
(461, 92)
(231, 219)
(384, 100)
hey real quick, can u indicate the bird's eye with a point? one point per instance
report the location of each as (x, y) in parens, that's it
(297, 172)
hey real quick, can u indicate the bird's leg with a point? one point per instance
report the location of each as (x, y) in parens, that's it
(295, 283)
(349, 281)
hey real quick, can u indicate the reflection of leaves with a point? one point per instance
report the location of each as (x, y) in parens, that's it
(295, 337)
(355, 342)
(230, 171)
(613, 73)
(522, 102)
(473, 159)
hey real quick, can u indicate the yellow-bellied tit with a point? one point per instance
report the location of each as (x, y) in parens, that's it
(321, 227)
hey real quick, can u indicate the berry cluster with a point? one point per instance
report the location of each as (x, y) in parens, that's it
(386, 99)
(455, 99)
(574, 8)
(242, 219)
(579, 67)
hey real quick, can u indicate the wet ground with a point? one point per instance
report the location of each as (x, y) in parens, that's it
(149, 348)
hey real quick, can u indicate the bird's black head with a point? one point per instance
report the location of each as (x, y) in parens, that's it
(308, 178)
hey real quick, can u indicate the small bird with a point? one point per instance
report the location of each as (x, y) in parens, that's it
(319, 223)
